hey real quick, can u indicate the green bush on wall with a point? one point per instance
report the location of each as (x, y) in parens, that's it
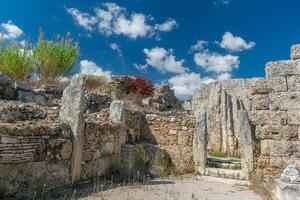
(15, 61)
(54, 59)
(50, 60)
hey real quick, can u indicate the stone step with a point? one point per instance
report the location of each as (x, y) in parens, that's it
(225, 173)
(225, 163)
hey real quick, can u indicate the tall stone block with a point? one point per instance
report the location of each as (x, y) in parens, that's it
(295, 52)
(71, 113)
(246, 142)
(117, 115)
(200, 142)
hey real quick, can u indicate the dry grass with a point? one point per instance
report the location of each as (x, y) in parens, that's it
(260, 185)
(97, 83)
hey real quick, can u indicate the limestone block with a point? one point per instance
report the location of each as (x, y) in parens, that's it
(264, 117)
(293, 83)
(246, 142)
(71, 113)
(280, 148)
(294, 117)
(295, 52)
(260, 102)
(277, 132)
(200, 142)
(285, 101)
(283, 68)
(265, 86)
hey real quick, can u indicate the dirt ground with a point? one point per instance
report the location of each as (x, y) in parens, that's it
(178, 189)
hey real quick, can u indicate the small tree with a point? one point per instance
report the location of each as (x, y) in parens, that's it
(15, 61)
(54, 59)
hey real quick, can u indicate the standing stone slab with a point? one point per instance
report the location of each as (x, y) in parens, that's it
(200, 142)
(117, 115)
(71, 113)
(246, 142)
(295, 52)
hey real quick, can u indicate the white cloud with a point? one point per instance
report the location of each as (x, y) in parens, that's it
(200, 45)
(168, 25)
(112, 19)
(83, 19)
(235, 43)
(9, 31)
(214, 62)
(185, 84)
(90, 68)
(116, 48)
(224, 76)
(133, 27)
(163, 60)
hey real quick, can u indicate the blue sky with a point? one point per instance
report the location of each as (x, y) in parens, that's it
(183, 43)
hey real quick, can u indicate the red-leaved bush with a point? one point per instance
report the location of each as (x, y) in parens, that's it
(139, 85)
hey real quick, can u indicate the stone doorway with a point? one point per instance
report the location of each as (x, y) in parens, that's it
(221, 164)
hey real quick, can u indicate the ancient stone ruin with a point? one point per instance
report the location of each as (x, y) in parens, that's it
(231, 129)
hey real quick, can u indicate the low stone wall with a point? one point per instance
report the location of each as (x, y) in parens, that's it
(173, 132)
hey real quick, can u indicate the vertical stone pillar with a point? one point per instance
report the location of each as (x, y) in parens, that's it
(71, 113)
(246, 142)
(200, 142)
(117, 115)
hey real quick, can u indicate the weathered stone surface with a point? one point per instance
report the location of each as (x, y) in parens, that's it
(264, 117)
(265, 86)
(293, 117)
(260, 102)
(288, 185)
(187, 105)
(164, 98)
(295, 52)
(285, 101)
(293, 83)
(277, 132)
(280, 148)
(282, 68)
(71, 113)
(246, 142)
(200, 143)
(96, 101)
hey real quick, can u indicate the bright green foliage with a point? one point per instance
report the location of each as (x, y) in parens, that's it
(15, 61)
(54, 59)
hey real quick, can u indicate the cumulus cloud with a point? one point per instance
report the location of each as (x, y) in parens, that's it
(235, 43)
(200, 45)
(9, 31)
(90, 68)
(83, 19)
(214, 62)
(116, 48)
(185, 84)
(111, 19)
(163, 60)
(168, 25)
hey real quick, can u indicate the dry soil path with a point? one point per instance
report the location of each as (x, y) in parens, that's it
(178, 189)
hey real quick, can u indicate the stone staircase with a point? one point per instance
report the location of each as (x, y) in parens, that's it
(229, 168)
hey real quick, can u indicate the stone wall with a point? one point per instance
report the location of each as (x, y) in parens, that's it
(173, 132)
(275, 115)
(273, 106)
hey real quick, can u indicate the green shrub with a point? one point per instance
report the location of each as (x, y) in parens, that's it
(54, 59)
(15, 62)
